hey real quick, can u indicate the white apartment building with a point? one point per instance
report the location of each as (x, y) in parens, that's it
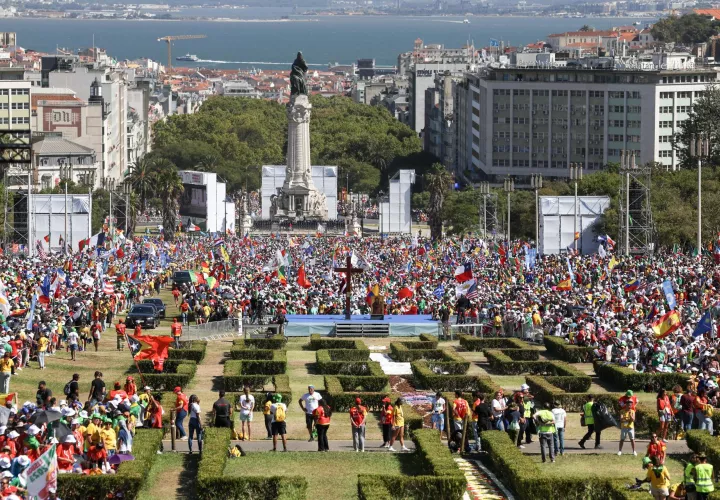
(15, 133)
(520, 121)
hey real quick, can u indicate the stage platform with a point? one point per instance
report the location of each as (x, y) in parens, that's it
(304, 325)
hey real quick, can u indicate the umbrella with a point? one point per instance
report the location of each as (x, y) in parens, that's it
(120, 458)
(73, 300)
(45, 417)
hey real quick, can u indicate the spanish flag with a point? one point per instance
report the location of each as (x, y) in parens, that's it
(564, 285)
(577, 236)
(666, 324)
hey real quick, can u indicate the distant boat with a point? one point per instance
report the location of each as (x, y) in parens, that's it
(637, 23)
(188, 57)
(466, 21)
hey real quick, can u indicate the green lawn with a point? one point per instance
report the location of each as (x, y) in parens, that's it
(625, 467)
(172, 475)
(331, 475)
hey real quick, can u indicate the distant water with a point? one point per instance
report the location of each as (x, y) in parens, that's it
(322, 39)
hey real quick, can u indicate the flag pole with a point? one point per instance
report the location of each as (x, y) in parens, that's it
(127, 341)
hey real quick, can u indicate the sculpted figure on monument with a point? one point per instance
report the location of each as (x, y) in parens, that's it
(298, 85)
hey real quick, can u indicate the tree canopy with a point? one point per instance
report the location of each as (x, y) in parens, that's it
(687, 29)
(236, 136)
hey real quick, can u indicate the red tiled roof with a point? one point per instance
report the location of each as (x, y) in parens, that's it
(709, 12)
(585, 33)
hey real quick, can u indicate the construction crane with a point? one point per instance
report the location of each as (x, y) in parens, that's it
(171, 38)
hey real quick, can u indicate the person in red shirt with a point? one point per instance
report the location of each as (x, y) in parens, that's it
(322, 416)
(156, 413)
(358, 413)
(628, 401)
(65, 452)
(120, 333)
(117, 391)
(184, 309)
(138, 329)
(386, 417)
(130, 387)
(665, 413)
(181, 409)
(176, 296)
(176, 331)
(656, 449)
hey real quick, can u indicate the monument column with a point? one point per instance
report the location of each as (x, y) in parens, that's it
(298, 158)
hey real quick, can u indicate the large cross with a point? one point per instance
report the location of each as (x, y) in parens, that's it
(349, 270)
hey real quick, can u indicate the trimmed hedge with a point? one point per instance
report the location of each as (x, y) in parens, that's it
(442, 360)
(327, 362)
(130, 476)
(426, 378)
(480, 344)
(182, 373)
(275, 364)
(625, 378)
(698, 441)
(441, 476)
(256, 374)
(275, 342)
(426, 341)
(557, 347)
(242, 353)
(547, 392)
(213, 484)
(561, 373)
(527, 479)
(319, 342)
(376, 381)
(193, 350)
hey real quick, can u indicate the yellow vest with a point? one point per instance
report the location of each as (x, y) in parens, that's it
(587, 410)
(687, 475)
(704, 480)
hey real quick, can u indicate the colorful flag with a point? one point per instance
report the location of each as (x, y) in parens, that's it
(47, 238)
(108, 288)
(632, 286)
(464, 288)
(464, 272)
(42, 475)
(564, 285)
(704, 325)
(212, 282)
(281, 274)
(666, 324)
(439, 292)
(613, 262)
(153, 347)
(224, 254)
(577, 236)
(302, 279)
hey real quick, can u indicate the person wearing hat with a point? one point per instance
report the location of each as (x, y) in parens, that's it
(65, 452)
(108, 436)
(358, 413)
(278, 411)
(628, 400)
(386, 418)
(659, 478)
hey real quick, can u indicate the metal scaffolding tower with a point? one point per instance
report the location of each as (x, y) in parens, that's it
(636, 225)
(488, 212)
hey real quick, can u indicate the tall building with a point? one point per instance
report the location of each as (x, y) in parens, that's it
(439, 136)
(15, 133)
(422, 64)
(528, 118)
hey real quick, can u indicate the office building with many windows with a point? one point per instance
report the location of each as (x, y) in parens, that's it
(524, 119)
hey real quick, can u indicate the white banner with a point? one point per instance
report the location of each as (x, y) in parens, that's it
(42, 475)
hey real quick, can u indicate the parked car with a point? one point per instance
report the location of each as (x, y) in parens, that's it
(144, 314)
(158, 304)
(181, 277)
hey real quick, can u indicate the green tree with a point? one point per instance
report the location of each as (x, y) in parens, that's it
(702, 121)
(141, 179)
(687, 29)
(438, 182)
(586, 27)
(168, 182)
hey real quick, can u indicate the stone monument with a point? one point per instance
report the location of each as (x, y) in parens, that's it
(299, 199)
(245, 223)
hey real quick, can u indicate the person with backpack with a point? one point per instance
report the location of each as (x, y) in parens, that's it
(358, 413)
(72, 388)
(322, 415)
(278, 411)
(589, 421)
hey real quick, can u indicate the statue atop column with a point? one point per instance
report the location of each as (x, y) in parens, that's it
(299, 198)
(298, 84)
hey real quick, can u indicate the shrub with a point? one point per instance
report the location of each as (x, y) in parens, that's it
(169, 366)
(318, 342)
(520, 472)
(193, 350)
(183, 372)
(480, 344)
(129, 479)
(557, 347)
(243, 353)
(546, 392)
(213, 484)
(441, 476)
(426, 378)
(327, 365)
(442, 360)
(237, 374)
(625, 378)
(502, 364)
(703, 441)
(376, 381)
(275, 342)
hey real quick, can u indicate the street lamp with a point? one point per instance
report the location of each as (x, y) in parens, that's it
(576, 175)
(699, 149)
(508, 187)
(536, 181)
(484, 188)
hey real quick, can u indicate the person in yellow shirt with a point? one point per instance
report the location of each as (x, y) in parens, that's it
(659, 479)
(627, 429)
(42, 346)
(398, 426)
(108, 437)
(268, 416)
(7, 368)
(92, 431)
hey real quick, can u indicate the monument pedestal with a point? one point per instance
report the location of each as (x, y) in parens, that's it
(299, 198)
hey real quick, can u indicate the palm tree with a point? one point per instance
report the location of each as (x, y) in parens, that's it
(168, 182)
(586, 27)
(208, 163)
(141, 179)
(438, 183)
